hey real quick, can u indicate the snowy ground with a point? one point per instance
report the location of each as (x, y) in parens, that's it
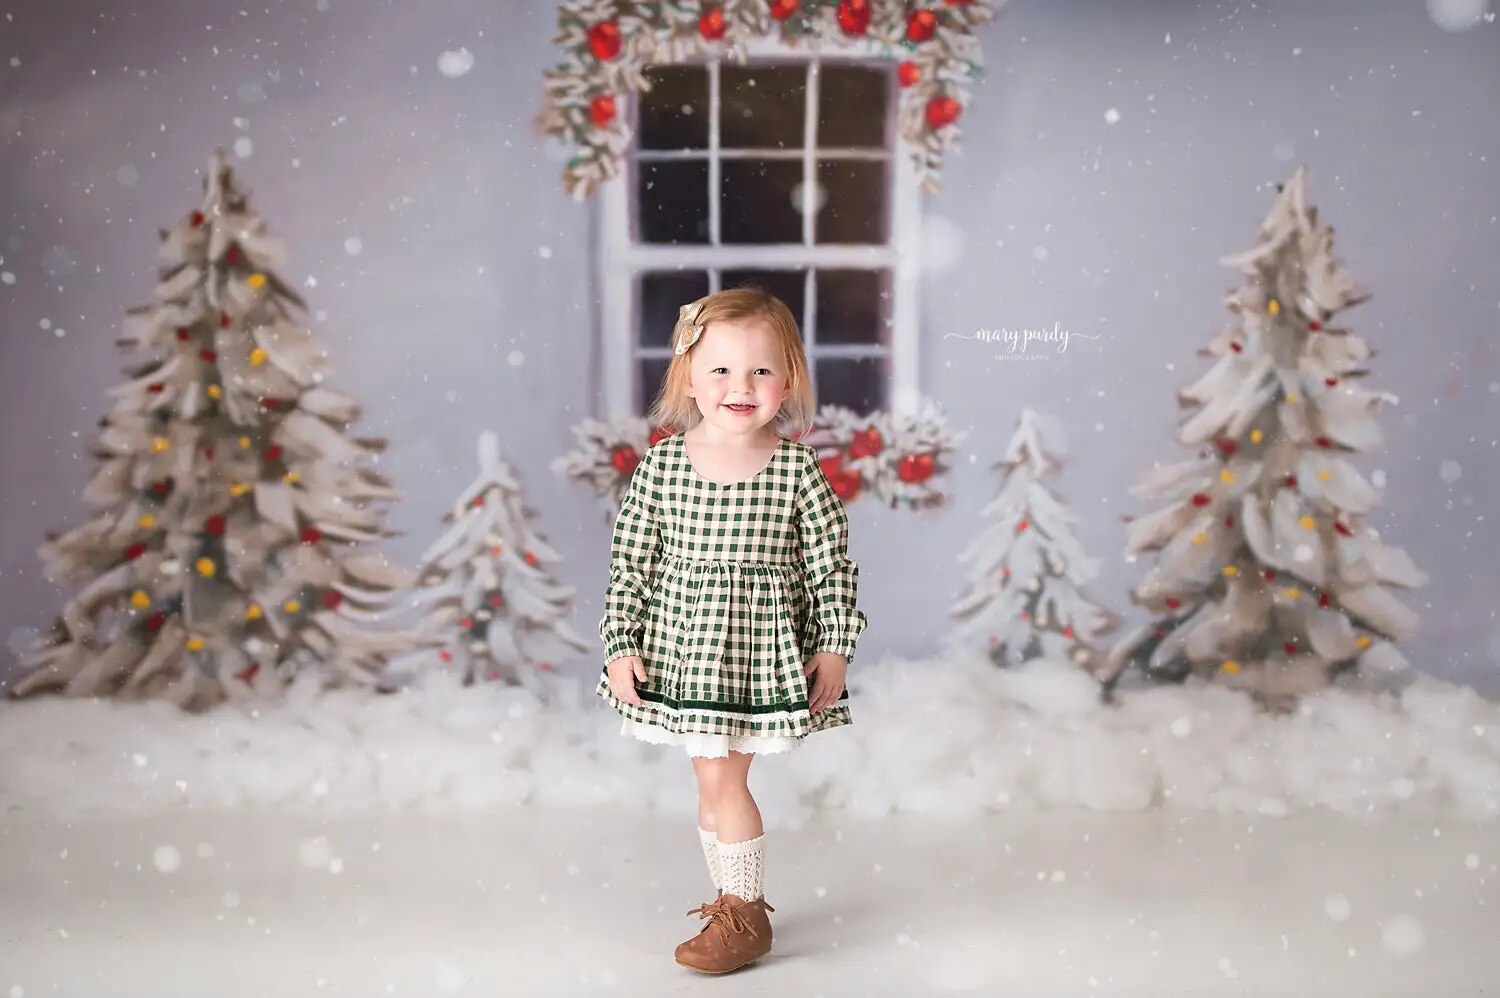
(974, 831)
(555, 902)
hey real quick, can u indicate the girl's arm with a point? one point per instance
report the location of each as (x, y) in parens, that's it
(633, 548)
(832, 576)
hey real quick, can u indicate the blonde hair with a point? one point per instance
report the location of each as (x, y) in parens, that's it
(674, 408)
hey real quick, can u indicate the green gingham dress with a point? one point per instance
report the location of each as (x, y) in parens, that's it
(725, 591)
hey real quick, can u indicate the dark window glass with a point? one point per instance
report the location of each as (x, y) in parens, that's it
(673, 200)
(762, 107)
(854, 207)
(758, 205)
(788, 285)
(650, 372)
(853, 306)
(662, 293)
(674, 112)
(856, 382)
(853, 104)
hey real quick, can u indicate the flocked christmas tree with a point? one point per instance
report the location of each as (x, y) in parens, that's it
(1025, 584)
(491, 609)
(1267, 575)
(231, 548)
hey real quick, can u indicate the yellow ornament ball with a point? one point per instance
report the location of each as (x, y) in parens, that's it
(258, 356)
(214, 391)
(1226, 475)
(1230, 665)
(1293, 397)
(1273, 306)
(206, 567)
(194, 644)
(1199, 537)
(291, 478)
(1256, 436)
(244, 443)
(160, 444)
(292, 606)
(1291, 592)
(1230, 570)
(140, 600)
(253, 612)
(256, 280)
(1363, 641)
(146, 522)
(238, 489)
(1323, 476)
(1307, 523)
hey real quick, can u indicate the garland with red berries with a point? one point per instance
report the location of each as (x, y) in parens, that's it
(608, 44)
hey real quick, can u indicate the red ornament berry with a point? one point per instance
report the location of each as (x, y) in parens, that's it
(1025, 615)
(1291, 481)
(154, 622)
(208, 355)
(783, 9)
(224, 320)
(311, 535)
(1200, 499)
(1269, 574)
(1324, 441)
(1290, 648)
(495, 599)
(1160, 634)
(1330, 382)
(1173, 602)
(921, 25)
(1342, 529)
(155, 388)
(530, 558)
(214, 526)
(332, 598)
(208, 453)
(1315, 325)
(624, 458)
(1021, 527)
(1323, 600)
(711, 24)
(477, 501)
(602, 109)
(466, 623)
(271, 453)
(942, 111)
(1236, 346)
(914, 467)
(135, 551)
(853, 16)
(248, 672)
(1228, 521)
(161, 488)
(865, 443)
(604, 40)
(908, 73)
(445, 655)
(196, 219)
(182, 334)
(1067, 632)
(232, 254)
(1227, 446)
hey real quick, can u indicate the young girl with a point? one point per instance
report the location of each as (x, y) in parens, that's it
(730, 618)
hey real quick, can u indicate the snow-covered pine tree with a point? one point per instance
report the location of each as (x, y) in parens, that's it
(1025, 596)
(1267, 576)
(231, 548)
(490, 607)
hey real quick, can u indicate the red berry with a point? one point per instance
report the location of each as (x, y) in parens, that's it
(214, 526)
(1268, 574)
(1173, 602)
(1323, 600)
(311, 535)
(155, 388)
(196, 218)
(1200, 499)
(1228, 521)
(604, 41)
(209, 355)
(182, 333)
(602, 109)
(908, 73)
(711, 24)
(1236, 347)
(783, 9)
(154, 622)
(1291, 481)
(332, 598)
(233, 254)
(1342, 529)
(1315, 325)
(942, 111)
(1290, 648)
(224, 320)
(135, 551)
(1324, 442)
(920, 26)
(1228, 446)
(271, 453)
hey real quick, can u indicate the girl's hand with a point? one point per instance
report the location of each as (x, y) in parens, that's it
(624, 672)
(826, 671)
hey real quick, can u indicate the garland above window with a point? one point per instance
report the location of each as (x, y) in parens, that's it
(608, 44)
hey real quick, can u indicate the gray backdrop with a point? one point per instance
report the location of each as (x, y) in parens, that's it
(1050, 214)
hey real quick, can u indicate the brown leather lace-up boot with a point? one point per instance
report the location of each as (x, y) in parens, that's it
(738, 933)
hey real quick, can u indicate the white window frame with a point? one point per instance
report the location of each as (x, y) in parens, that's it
(618, 260)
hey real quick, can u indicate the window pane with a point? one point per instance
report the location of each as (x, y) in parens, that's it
(650, 372)
(854, 207)
(674, 112)
(788, 285)
(757, 205)
(762, 107)
(857, 382)
(853, 306)
(662, 293)
(853, 102)
(673, 200)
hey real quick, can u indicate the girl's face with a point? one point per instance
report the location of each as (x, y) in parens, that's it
(737, 375)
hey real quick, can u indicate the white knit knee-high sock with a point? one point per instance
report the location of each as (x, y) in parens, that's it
(710, 842)
(742, 864)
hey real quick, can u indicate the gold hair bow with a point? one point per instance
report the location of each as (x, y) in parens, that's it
(688, 328)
